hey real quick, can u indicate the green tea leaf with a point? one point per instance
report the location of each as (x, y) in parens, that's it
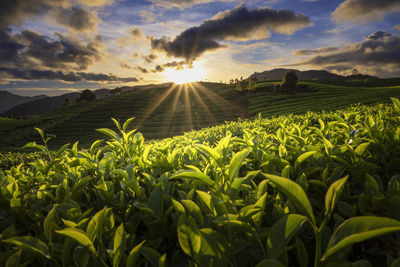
(236, 162)
(133, 256)
(119, 244)
(81, 256)
(358, 229)
(194, 175)
(14, 259)
(79, 236)
(303, 157)
(126, 123)
(48, 223)
(151, 255)
(396, 104)
(189, 235)
(295, 193)
(302, 255)
(333, 194)
(30, 243)
(193, 210)
(281, 233)
(156, 201)
(269, 263)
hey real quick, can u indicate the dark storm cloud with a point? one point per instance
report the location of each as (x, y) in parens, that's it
(239, 24)
(32, 50)
(14, 12)
(362, 11)
(378, 53)
(29, 74)
(308, 52)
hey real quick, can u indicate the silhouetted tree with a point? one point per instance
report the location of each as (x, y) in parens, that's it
(86, 95)
(277, 88)
(67, 102)
(289, 82)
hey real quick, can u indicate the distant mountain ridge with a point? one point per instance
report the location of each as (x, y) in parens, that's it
(277, 74)
(47, 104)
(9, 100)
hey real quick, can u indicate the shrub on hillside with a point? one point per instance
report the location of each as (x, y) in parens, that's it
(277, 88)
(289, 82)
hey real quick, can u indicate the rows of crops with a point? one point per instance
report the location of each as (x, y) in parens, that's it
(159, 112)
(285, 191)
(319, 97)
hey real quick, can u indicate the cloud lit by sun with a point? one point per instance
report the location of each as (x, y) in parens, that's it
(187, 74)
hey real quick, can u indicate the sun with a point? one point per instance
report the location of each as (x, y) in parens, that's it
(186, 75)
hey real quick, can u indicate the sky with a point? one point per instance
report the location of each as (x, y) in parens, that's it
(59, 46)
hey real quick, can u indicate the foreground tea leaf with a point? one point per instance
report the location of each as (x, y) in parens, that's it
(14, 259)
(194, 175)
(333, 194)
(236, 162)
(30, 243)
(281, 233)
(79, 236)
(295, 193)
(358, 229)
(119, 244)
(134, 255)
(303, 157)
(269, 263)
(189, 235)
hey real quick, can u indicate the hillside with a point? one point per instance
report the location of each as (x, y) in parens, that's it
(160, 112)
(9, 100)
(167, 111)
(47, 104)
(277, 75)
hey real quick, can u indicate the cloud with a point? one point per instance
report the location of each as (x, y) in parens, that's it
(397, 27)
(76, 18)
(32, 74)
(94, 3)
(32, 50)
(160, 68)
(308, 52)
(363, 11)
(147, 16)
(64, 12)
(239, 24)
(150, 58)
(134, 35)
(377, 54)
(183, 3)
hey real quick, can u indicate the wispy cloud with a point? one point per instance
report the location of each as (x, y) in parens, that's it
(363, 11)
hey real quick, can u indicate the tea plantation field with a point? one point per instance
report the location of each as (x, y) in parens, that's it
(169, 111)
(317, 189)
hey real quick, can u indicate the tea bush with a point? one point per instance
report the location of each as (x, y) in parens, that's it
(318, 189)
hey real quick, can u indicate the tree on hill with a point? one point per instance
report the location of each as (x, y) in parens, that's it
(86, 95)
(67, 102)
(289, 82)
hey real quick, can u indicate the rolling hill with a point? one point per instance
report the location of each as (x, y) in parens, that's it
(167, 111)
(277, 74)
(9, 100)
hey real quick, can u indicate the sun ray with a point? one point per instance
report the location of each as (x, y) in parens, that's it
(198, 98)
(170, 115)
(188, 109)
(155, 106)
(216, 99)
